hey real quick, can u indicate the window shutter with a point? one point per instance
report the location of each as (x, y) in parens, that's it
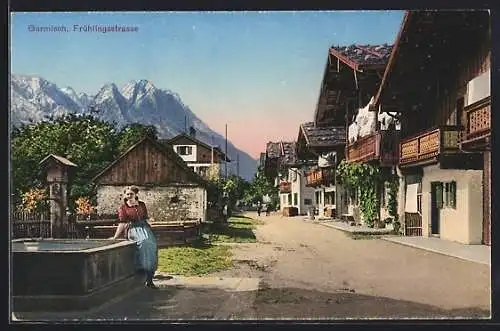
(453, 194)
(439, 195)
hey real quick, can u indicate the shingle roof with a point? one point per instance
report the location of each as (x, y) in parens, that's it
(288, 153)
(273, 150)
(323, 136)
(364, 54)
(59, 159)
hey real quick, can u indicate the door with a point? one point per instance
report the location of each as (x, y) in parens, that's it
(436, 204)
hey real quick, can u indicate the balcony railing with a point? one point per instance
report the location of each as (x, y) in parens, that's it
(285, 187)
(429, 144)
(478, 122)
(318, 177)
(382, 146)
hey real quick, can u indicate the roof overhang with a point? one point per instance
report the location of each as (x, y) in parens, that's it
(428, 48)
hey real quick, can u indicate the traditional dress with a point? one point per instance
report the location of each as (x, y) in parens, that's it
(140, 231)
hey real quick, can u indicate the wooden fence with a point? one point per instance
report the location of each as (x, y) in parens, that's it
(37, 225)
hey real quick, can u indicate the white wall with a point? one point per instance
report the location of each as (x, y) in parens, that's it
(187, 158)
(479, 88)
(463, 224)
(298, 184)
(109, 199)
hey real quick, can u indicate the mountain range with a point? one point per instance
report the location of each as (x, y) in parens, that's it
(34, 99)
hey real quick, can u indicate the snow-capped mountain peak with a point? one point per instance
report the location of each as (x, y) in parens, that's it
(35, 99)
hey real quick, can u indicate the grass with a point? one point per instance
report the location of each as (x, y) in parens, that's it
(202, 257)
(199, 259)
(239, 229)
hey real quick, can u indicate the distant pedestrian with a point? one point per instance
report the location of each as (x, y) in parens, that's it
(259, 209)
(224, 212)
(268, 210)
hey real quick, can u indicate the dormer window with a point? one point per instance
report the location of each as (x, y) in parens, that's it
(184, 150)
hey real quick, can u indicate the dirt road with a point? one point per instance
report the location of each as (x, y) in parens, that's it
(309, 261)
(303, 270)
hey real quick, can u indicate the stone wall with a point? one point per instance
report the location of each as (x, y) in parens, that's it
(109, 198)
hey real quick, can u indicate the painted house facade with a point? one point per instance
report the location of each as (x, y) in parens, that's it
(437, 81)
(288, 174)
(324, 145)
(199, 156)
(160, 175)
(292, 180)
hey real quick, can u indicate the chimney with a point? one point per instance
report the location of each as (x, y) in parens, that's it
(192, 131)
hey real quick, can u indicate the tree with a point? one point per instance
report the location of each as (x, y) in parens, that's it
(260, 187)
(86, 141)
(132, 133)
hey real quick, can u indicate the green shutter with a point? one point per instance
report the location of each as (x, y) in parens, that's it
(439, 195)
(453, 194)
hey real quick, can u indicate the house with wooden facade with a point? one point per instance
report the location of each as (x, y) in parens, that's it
(351, 77)
(438, 82)
(201, 157)
(160, 174)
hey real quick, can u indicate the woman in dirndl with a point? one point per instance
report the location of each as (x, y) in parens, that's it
(133, 221)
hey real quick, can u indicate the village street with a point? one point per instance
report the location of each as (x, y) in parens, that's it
(300, 269)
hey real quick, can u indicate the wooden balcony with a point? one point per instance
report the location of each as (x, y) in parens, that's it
(320, 177)
(478, 125)
(285, 187)
(429, 145)
(382, 146)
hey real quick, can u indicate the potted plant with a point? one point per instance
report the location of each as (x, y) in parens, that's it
(397, 226)
(379, 224)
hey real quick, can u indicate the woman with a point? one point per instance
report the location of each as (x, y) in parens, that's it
(133, 219)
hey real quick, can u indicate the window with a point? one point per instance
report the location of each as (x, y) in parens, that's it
(184, 150)
(289, 199)
(307, 202)
(446, 195)
(330, 198)
(383, 191)
(419, 198)
(295, 199)
(450, 194)
(317, 196)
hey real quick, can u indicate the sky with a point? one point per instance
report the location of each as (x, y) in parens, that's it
(257, 72)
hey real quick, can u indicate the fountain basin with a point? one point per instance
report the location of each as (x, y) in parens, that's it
(76, 274)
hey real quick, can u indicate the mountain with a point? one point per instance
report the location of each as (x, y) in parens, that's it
(34, 99)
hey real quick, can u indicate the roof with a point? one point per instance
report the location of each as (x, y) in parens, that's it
(348, 69)
(169, 152)
(429, 43)
(329, 136)
(356, 56)
(197, 142)
(273, 150)
(288, 153)
(60, 159)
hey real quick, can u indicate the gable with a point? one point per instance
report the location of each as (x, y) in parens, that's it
(145, 164)
(182, 140)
